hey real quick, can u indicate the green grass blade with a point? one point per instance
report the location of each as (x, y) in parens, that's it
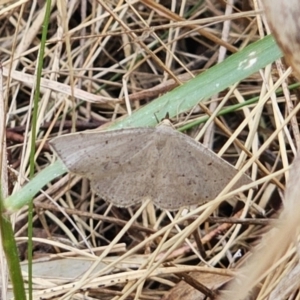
(25, 195)
(183, 98)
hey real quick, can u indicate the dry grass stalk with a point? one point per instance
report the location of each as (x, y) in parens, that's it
(275, 263)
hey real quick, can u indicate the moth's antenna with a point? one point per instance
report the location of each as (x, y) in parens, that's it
(167, 117)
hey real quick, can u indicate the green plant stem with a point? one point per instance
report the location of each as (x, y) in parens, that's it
(12, 257)
(33, 138)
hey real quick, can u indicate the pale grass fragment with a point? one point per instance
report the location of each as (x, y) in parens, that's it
(287, 284)
(29, 80)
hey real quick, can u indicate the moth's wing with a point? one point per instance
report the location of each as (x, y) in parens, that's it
(133, 181)
(92, 153)
(114, 161)
(188, 173)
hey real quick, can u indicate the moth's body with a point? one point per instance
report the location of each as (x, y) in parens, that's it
(127, 165)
